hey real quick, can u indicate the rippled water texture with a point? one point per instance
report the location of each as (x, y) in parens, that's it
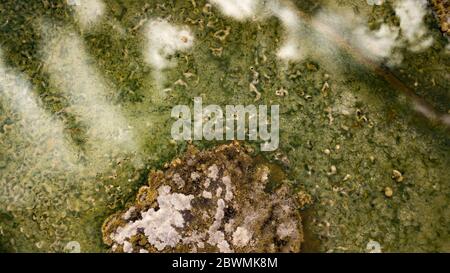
(87, 88)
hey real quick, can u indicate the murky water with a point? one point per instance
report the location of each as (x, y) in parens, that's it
(87, 88)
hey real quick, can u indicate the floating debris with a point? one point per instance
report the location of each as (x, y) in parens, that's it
(281, 92)
(253, 89)
(217, 51)
(222, 34)
(397, 176)
(164, 40)
(332, 171)
(373, 247)
(73, 247)
(388, 192)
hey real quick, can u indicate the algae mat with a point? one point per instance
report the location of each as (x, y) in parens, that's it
(87, 89)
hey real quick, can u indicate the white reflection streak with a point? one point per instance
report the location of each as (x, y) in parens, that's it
(45, 133)
(71, 72)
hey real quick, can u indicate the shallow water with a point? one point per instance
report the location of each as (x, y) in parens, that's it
(84, 114)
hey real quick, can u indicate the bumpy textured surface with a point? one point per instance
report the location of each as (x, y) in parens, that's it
(209, 201)
(344, 129)
(442, 10)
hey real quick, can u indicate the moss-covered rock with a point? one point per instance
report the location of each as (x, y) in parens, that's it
(209, 201)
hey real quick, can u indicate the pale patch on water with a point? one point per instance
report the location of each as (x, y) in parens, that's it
(163, 41)
(377, 45)
(291, 49)
(237, 9)
(38, 143)
(411, 14)
(285, 11)
(45, 186)
(72, 73)
(88, 12)
(298, 41)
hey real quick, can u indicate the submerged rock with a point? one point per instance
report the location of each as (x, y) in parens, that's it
(209, 201)
(442, 12)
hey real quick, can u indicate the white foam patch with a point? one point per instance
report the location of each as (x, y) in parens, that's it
(377, 44)
(375, 2)
(290, 49)
(411, 14)
(71, 72)
(241, 10)
(287, 16)
(237, 9)
(88, 12)
(164, 40)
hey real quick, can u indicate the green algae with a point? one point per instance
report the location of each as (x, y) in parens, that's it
(379, 134)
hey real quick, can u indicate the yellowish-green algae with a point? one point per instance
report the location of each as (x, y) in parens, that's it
(340, 144)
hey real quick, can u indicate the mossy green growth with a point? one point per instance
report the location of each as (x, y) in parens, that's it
(338, 143)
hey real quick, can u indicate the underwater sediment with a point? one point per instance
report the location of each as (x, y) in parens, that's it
(87, 88)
